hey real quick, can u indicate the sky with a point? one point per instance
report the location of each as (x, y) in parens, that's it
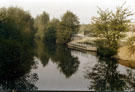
(84, 9)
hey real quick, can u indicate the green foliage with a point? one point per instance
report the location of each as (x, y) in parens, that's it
(68, 27)
(106, 52)
(50, 33)
(16, 49)
(111, 26)
(55, 30)
(103, 50)
(16, 31)
(40, 24)
(17, 25)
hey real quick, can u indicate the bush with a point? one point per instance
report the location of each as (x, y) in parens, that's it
(106, 51)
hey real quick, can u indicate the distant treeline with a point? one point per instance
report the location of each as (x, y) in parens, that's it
(18, 31)
(18, 25)
(19, 34)
(18, 28)
(55, 30)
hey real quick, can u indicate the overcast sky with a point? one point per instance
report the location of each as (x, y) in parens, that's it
(84, 9)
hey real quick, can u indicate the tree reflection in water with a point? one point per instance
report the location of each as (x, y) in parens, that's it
(16, 61)
(104, 76)
(41, 53)
(67, 64)
(61, 55)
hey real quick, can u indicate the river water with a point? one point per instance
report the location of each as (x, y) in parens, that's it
(56, 67)
(67, 69)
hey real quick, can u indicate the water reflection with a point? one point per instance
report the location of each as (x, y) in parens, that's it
(105, 76)
(41, 53)
(67, 63)
(61, 55)
(16, 62)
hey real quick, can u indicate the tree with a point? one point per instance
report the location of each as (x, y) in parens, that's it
(68, 26)
(17, 25)
(50, 33)
(16, 35)
(111, 26)
(16, 49)
(41, 23)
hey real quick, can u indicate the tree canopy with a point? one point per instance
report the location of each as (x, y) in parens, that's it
(111, 26)
(69, 25)
(16, 49)
(41, 23)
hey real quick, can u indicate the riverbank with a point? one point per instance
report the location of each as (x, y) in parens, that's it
(126, 57)
(123, 52)
(126, 53)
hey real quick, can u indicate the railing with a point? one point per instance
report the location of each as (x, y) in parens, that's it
(77, 45)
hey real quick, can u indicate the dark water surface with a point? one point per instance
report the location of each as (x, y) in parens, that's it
(67, 69)
(59, 68)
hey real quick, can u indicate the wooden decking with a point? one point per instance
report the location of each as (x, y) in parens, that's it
(83, 47)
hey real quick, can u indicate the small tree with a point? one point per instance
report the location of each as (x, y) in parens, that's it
(68, 26)
(111, 26)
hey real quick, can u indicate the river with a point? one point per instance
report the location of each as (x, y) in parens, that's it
(68, 69)
(56, 67)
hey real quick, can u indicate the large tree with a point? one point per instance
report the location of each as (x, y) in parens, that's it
(16, 49)
(111, 26)
(16, 35)
(69, 25)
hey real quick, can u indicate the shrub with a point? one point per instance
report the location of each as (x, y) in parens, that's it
(106, 51)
